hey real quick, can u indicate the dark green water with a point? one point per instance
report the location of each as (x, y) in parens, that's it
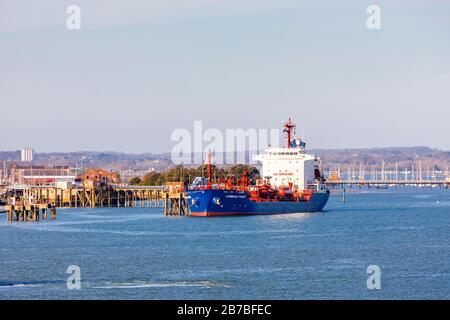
(137, 253)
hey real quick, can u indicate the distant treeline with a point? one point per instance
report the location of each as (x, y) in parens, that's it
(187, 175)
(92, 159)
(371, 158)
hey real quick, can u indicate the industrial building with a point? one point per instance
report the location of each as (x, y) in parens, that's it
(12, 174)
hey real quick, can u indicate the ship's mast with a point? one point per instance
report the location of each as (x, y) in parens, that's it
(209, 187)
(289, 128)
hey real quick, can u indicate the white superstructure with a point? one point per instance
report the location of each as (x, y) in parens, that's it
(291, 166)
(285, 166)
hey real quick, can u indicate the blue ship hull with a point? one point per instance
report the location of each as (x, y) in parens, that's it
(230, 202)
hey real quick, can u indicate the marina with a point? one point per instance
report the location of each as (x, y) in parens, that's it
(387, 183)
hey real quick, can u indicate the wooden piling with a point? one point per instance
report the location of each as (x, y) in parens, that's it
(9, 212)
(52, 213)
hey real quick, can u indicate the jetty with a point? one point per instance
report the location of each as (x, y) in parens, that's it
(30, 199)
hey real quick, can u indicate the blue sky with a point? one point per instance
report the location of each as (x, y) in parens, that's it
(137, 70)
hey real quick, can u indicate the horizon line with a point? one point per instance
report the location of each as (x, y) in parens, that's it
(169, 152)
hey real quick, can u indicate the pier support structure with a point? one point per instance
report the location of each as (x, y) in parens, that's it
(27, 213)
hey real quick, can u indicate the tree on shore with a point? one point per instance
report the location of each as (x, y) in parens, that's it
(135, 181)
(187, 175)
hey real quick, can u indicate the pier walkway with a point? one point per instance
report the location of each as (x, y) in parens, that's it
(92, 195)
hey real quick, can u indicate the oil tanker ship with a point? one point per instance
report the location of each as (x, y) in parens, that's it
(292, 181)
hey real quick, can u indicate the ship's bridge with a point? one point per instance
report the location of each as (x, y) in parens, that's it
(283, 153)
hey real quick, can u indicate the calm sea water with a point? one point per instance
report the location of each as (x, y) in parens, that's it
(137, 253)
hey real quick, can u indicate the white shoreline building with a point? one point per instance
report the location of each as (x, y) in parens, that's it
(26, 155)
